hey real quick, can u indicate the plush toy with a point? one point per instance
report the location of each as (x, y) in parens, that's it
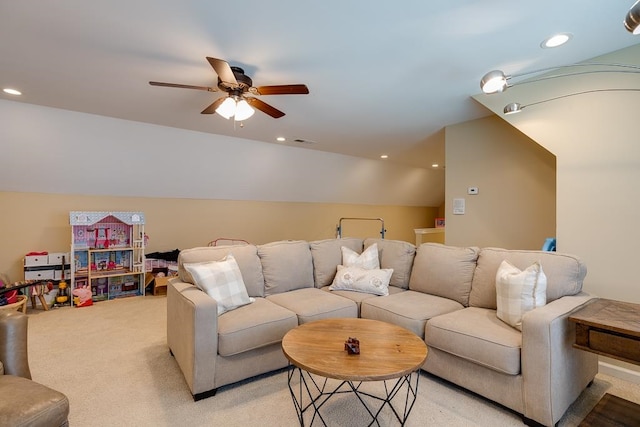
(82, 297)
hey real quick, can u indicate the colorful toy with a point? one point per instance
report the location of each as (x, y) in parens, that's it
(63, 295)
(82, 297)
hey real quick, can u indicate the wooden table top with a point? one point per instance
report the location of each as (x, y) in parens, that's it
(616, 316)
(386, 351)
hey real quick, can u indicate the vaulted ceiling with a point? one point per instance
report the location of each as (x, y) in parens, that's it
(384, 77)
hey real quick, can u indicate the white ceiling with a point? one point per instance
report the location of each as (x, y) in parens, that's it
(384, 77)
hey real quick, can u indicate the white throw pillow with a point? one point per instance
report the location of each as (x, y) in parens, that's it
(360, 280)
(367, 260)
(519, 292)
(222, 281)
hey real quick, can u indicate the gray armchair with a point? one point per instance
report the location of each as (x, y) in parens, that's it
(24, 402)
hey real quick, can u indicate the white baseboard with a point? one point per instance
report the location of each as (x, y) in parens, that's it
(619, 372)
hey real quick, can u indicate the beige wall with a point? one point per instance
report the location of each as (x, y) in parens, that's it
(40, 222)
(598, 171)
(515, 207)
(598, 197)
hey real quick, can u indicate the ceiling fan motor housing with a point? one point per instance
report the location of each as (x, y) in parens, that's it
(243, 81)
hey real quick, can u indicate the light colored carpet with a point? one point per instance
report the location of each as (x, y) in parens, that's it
(112, 361)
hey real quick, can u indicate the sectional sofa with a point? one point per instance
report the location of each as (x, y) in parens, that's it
(445, 295)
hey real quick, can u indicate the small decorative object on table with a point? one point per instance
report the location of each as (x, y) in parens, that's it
(439, 222)
(352, 346)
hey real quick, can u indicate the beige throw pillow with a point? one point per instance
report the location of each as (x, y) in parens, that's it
(367, 260)
(222, 281)
(358, 279)
(519, 291)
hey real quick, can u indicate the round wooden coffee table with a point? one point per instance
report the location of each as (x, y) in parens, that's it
(387, 353)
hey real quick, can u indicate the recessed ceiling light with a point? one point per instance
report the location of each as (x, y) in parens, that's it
(11, 91)
(556, 40)
(281, 139)
(384, 156)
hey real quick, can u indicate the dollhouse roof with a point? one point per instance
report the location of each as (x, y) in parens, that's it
(88, 218)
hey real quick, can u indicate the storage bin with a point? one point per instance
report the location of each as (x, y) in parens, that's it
(36, 260)
(39, 274)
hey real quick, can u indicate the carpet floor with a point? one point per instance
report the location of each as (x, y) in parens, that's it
(112, 361)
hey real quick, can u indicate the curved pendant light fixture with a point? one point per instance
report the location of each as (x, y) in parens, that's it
(497, 81)
(632, 20)
(515, 107)
(236, 107)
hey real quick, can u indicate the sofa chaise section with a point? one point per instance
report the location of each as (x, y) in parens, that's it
(215, 350)
(535, 372)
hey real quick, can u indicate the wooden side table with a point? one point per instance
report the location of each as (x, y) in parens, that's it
(610, 328)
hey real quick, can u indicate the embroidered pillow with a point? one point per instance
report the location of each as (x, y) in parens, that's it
(367, 260)
(222, 281)
(358, 279)
(519, 291)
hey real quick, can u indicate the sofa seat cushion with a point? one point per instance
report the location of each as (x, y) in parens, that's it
(245, 255)
(314, 304)
(476, 334)
(565, 273)
(408, 309)
(445, 271)
(253, 326)
(28, 403)
(327, 255)
(396, 255)
(358, 297)
(286, 265)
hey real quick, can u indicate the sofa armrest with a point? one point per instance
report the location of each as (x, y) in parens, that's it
(14, 358)
(554, 373)
(192, 334)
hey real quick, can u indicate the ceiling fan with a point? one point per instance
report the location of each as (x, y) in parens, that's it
(238, 85)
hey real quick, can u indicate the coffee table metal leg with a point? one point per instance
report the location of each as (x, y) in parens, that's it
(317, 394)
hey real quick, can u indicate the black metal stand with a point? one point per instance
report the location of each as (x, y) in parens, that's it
(314, 391)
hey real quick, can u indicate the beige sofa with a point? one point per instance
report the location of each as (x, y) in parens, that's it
(444, 294)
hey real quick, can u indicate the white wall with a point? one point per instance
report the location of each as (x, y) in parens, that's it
(58, 151)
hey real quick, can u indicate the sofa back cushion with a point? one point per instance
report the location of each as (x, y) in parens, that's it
(564, 272)
(327, 255)
(286, 265)
(444, 271)
(245, 255)
(396, 255)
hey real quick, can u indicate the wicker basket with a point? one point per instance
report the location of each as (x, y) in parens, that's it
(21, 305)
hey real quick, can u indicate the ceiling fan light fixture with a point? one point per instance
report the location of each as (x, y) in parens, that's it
(227, 109)
(243, 111)
(494, 81)
(632, 20)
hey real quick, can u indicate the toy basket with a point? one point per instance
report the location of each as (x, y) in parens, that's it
(20, 305)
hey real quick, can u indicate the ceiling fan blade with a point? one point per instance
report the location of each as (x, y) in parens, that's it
(181, 86)
(264, 107)
(212, 108)
(283, 90)
(223, 70)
